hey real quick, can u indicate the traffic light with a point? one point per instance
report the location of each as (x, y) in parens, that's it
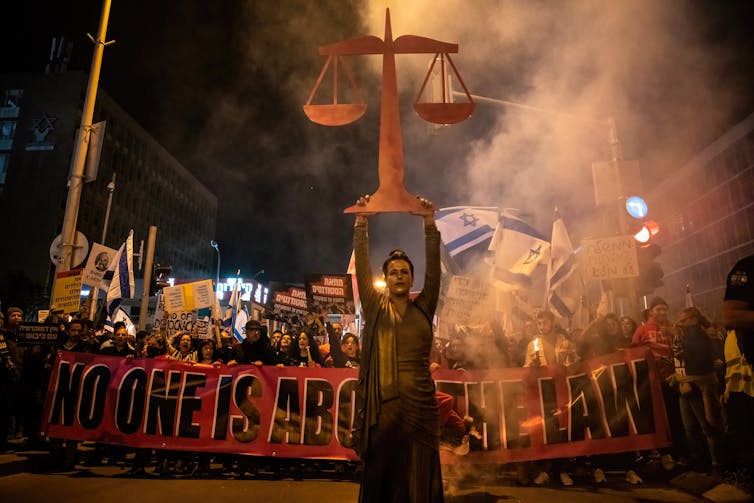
(648, 230)
(650, 272)
(160, 275)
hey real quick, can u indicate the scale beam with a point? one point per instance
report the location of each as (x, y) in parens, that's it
(391, 195)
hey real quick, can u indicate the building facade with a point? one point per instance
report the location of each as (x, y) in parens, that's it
(38, 120)
(706, 216)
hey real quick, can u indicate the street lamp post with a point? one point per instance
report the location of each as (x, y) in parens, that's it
(78, 158)
(216, 246)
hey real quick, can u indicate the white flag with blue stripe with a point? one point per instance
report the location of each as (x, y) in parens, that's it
(230, 310)
(120, 315)
(519, 249)
(463, 227)
(239, 325)
(565, 287)
(121, 275)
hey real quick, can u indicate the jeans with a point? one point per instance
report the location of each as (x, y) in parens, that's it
(701, 413)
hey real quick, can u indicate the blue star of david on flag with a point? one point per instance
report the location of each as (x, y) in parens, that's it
(463, 227)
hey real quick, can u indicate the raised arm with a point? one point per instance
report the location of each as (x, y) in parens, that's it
(363, 265)
(433, 272)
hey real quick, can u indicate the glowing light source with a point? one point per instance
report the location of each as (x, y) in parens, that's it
(380, 284)
(643, 235)
(649, 229)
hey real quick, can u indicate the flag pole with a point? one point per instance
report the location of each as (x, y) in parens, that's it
(144, 309)
(234, 308)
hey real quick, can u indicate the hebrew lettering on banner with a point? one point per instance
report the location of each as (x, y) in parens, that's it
(610, 404)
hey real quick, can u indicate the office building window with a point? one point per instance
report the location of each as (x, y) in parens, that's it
(12, 98)
(7, 130)
(4, 158)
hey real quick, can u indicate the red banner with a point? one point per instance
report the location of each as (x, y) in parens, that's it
(611, 404)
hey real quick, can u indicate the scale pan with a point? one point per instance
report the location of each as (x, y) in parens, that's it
(444, 113)
(335, 114)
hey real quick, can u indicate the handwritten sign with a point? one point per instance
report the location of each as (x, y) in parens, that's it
(466, 301)
(610, 258)
(189, 296)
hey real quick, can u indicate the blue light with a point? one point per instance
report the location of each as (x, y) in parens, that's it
(636, 207)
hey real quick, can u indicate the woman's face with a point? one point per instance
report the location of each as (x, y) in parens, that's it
(399, 279)
(303, 340)
(612, 326)
(185, 344)
(627, 327)
(207, 351)
(350, 346)
(285, 342)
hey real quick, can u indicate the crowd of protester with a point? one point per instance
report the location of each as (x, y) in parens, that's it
(703, 375)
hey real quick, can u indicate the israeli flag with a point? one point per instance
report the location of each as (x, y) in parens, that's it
(120, 315)
(464, 227)
(239, 325)
(121, 276)
(232, 306)
(518, 249)
(565, 286)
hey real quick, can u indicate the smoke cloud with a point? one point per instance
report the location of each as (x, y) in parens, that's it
(225, 84)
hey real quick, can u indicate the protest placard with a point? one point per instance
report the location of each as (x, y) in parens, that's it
(466, 301)
(189, 296)
(288, 303)
(329, 293)
(99, 260)
(610, 257)
(31, 334)
(67, 293)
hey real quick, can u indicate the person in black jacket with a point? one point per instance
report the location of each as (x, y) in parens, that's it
(256, 348)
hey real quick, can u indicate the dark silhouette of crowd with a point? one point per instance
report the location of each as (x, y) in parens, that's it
(704, 367)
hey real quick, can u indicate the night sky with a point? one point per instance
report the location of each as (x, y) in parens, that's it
(221, 85)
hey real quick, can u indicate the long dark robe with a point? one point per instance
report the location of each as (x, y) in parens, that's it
(396, 428)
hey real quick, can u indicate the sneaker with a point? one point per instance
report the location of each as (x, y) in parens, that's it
(566, 479)
(136, 471)
(633, 478)
(462, 449)
(667, 462)
(541, 479)
(599, 476)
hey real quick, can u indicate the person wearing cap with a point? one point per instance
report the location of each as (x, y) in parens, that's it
(256, 348)
(396, 427)
(657, 334)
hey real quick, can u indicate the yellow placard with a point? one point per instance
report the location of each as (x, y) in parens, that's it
(67, 292)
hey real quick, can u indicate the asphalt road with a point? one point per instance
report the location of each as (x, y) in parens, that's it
(28, 477)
